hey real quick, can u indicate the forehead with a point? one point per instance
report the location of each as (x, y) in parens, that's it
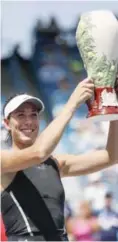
(27, 106)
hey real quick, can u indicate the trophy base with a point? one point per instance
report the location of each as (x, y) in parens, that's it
(105, 105)
(103, 117)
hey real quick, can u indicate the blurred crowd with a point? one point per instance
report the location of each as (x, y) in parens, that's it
(95, 216)
(56, 66)
(89, 224)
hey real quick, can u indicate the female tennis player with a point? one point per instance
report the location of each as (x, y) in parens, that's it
(32, 195)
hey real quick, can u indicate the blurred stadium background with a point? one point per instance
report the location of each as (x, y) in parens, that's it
(39, 56)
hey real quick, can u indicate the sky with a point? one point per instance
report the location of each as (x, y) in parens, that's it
(19, 17)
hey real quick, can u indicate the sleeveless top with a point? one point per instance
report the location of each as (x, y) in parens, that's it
(33, 204)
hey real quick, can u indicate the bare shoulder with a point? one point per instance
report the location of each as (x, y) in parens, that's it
(60, 160)
(5, 154)
(13, 160)
(6, 180)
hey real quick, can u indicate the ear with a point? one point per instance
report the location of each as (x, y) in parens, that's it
(6, 124)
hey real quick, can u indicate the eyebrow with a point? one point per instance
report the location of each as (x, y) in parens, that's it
(23, 111)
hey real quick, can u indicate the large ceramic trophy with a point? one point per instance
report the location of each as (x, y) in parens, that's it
(97, 40)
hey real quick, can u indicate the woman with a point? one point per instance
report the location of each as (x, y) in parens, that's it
(32, 198)
(86, 226)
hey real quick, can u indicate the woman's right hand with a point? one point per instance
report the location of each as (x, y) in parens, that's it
(83, 92)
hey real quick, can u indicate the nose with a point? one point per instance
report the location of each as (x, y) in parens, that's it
(28, 120)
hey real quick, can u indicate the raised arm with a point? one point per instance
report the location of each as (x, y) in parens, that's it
(14, 160)
(112, 144)
(74, 165)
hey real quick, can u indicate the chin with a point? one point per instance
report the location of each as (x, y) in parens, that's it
(27, 141)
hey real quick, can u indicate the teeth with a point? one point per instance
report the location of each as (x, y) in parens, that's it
(27, 130)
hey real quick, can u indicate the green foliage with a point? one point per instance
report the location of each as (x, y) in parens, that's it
(99, 68)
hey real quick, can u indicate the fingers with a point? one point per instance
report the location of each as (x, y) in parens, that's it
(89, 90)
(89, 85)
(87, 80)
(89, 93)
(84, 90)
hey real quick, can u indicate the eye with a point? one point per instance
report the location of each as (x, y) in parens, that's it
(34, 114)
(20, 115)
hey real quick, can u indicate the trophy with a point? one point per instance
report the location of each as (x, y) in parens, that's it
(97, 41)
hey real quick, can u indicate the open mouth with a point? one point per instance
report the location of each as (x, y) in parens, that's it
(27, 131)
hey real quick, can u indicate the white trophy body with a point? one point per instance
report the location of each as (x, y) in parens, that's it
(97, 40)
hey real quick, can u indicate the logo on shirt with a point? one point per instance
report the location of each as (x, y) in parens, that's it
(41, 166)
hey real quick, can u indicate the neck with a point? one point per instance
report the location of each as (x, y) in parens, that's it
(19, 146)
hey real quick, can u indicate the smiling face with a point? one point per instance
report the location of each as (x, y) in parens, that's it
(23, 125)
